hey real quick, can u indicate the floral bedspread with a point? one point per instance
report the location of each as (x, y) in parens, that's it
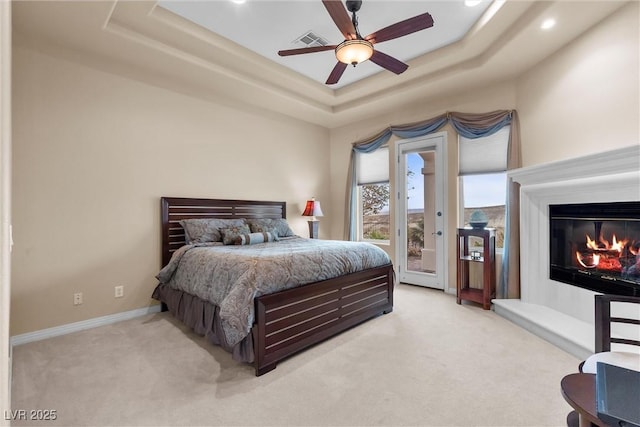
(232, 276)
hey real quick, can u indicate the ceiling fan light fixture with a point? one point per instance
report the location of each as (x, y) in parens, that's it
(354, 51)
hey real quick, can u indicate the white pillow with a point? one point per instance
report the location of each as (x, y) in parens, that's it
(623, 359)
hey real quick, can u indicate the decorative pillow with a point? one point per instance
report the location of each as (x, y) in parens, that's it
(264, 229)
(231, 234)
(253, 238)
(279, 226)
(202, 230)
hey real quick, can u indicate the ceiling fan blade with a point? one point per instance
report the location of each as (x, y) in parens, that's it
(388, 62)
(336, 73)
(402, 28)
(340, 16)
(302, 50)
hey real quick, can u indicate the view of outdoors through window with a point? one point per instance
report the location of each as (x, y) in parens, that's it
(416, 212)
(375, 211)
(488, 193)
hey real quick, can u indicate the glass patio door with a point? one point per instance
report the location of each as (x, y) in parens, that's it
(420, 211)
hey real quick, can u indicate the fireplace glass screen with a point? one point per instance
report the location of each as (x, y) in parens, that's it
(596, 246)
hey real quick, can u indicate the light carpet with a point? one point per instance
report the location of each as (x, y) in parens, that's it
(430, 362)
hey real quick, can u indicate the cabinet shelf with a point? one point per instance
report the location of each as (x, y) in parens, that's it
(486, 271)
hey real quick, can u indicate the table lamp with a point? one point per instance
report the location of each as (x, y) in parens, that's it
(313, 210)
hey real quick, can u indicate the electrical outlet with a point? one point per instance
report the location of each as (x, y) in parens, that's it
(77, 298)
(119, 291)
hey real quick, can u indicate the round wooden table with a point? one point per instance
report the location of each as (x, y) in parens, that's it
(579, 390)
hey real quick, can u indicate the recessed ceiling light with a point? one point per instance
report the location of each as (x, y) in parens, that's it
(471, 3)
(548, 24)
(239, 1)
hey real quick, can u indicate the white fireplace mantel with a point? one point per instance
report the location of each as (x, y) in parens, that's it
(558, 312)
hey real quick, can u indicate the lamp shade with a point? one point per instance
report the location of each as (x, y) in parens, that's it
(354, 51)
(312, 208)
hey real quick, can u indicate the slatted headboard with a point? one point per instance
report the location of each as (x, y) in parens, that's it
(173, 209)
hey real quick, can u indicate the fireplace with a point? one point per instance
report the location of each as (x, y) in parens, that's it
(559, 312)
(596, 246)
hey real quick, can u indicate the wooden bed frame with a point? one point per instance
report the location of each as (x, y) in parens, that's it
(287, 321)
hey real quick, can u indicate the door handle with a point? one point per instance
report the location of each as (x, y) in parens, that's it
(439, 233)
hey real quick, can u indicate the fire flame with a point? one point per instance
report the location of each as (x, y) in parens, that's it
(609, 256)
(591, 260)
(615, 245)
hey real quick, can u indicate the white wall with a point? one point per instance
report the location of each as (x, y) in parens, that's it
(582, 101)
(5, 210)
(585, 98)
(93, 154)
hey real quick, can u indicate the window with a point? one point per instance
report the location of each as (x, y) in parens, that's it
(483, 179)
(374, 208)
(372, 178)
(488, 193)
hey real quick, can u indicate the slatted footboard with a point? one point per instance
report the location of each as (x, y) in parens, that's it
(291, 320)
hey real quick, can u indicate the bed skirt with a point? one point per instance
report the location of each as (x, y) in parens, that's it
(203, 317)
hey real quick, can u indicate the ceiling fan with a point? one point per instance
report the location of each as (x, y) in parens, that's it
(355, 48)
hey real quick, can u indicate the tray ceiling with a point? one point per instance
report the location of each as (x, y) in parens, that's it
(233, 62)
(268, 26)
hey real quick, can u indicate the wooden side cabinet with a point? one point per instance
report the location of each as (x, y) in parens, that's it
(476, 246)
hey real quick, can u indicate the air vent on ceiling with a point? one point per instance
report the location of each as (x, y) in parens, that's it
(311, 39)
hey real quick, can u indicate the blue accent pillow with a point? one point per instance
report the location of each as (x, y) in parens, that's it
(254, 238)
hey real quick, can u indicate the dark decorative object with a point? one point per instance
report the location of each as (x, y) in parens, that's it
(478, 219)
(484, 258)
(313, 210)
(355, 48)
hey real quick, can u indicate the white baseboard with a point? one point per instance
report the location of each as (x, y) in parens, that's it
(81, 326)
